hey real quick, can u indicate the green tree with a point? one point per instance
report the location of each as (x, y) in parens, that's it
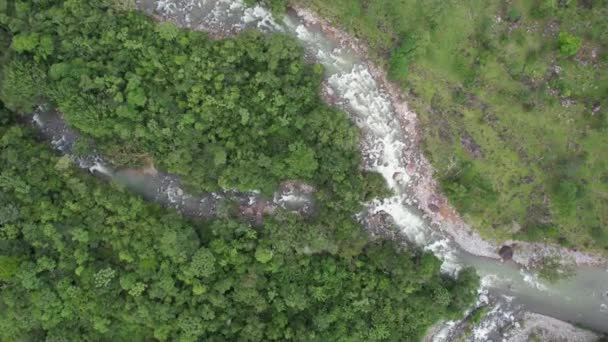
(25, 42)
(263, 255)
(167, 30)
(8, 267)
(412, 44)
(21, 85)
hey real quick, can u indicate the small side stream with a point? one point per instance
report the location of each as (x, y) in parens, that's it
(166, 189)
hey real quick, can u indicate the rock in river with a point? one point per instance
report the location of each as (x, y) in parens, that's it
(506, 252)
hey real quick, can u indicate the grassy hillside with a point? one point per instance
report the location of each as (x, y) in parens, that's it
(512, 97)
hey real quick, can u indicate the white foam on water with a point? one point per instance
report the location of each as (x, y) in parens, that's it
(175, 194)
(508, 298)
(98, 167)
(385, 146)
(324, 52)
(261, 17)
(363, 94)
(533, 280)
(374, 115)
(492, 280)
(409, 223)
(236, 5)
(36, 119)
(290, 198)
(59, 143)
(166, 6)
(444, 249)
(444, 333)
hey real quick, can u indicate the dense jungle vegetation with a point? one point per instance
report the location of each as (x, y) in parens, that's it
(513, 101)
(81, 259)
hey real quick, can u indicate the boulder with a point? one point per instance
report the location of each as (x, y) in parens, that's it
(506, 252)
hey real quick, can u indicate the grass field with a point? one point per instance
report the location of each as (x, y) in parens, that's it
(512, 97)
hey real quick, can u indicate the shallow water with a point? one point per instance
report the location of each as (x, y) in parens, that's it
(581, 299)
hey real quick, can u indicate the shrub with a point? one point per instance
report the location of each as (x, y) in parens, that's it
(564, 196)
(411, 45)
(543, 8)
(568, 43)
(513, 15)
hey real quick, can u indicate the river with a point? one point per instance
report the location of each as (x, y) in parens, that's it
(389, 146)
